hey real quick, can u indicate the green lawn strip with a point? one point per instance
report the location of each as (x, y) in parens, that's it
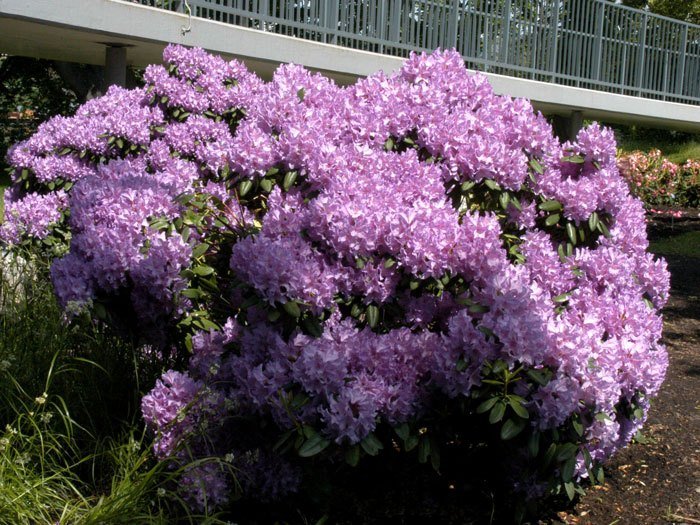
(675, 151)
(685, 244)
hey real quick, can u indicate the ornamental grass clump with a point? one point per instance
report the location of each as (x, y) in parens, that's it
(408, 266)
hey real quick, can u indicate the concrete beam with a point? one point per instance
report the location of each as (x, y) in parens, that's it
(76, 30)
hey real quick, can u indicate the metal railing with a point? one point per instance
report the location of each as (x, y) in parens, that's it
(592, 44)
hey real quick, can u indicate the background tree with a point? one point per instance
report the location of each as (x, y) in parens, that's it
(687, 10)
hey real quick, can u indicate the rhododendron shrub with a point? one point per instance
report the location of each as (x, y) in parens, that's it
(353, 271)
(658, 181)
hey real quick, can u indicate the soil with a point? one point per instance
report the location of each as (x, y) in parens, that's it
(657, 480)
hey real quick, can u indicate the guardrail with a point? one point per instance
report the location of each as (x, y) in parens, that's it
(592, 44)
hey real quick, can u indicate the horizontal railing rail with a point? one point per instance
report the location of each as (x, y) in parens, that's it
(592, 44)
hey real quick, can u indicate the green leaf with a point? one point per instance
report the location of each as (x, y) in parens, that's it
(499, 366)
(273, 315)
(487, 405)
(461, 364)
(562, 255)
(593, 221)
(423, 449)
(497, 412)
(562, 298)
(503, 200)
(533, 444)
(552, 219)
(411, 443)
(566, 451)
(203, 270)
(550, 205)
(569, 488)
(371, 445)
(578, 427)
(518, 408)
(284, 440)
(535, 165)
(200, 250)
(352, 456)
(602, 228)
(313, 326)
(571, 232)
(403, 431)
(312, 446)
(372, 315)
(492, 184)
(244, 187)
(549, 455)
(289, 179)
(478, 309)
(389, 144)
(537, 376)
(205, 324)
(434, 455)
(292, 308)
(575, 159)
(266, 185)
(511, 428)
(301, 94)
(567, 471)
(390, 261)
(466, 186)
(193, 293)
(356, 310)
(599, 474)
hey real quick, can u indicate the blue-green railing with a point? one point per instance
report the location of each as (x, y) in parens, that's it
(592, 44)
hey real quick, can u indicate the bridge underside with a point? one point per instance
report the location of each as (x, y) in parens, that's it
(82, 30)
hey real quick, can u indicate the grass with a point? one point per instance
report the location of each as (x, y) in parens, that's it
(677, 147)
(72, 444)
(685, 244)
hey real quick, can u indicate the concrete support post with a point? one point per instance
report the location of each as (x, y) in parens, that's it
(115, 66)
(566, 128)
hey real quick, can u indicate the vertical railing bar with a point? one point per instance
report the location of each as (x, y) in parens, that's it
(487, 29)
(569, 44)
(649, 55)
(454, 24)
(665, 57)
(620, 49)
(640, 56)
(382, 23)
(555, 40)
(680, 73)
(598, 46)
(665, 81)
(506, 31)
(533, 47)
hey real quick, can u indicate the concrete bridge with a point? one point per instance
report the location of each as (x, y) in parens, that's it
(574, 59)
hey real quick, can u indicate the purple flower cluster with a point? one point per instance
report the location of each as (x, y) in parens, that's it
(423, 227)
